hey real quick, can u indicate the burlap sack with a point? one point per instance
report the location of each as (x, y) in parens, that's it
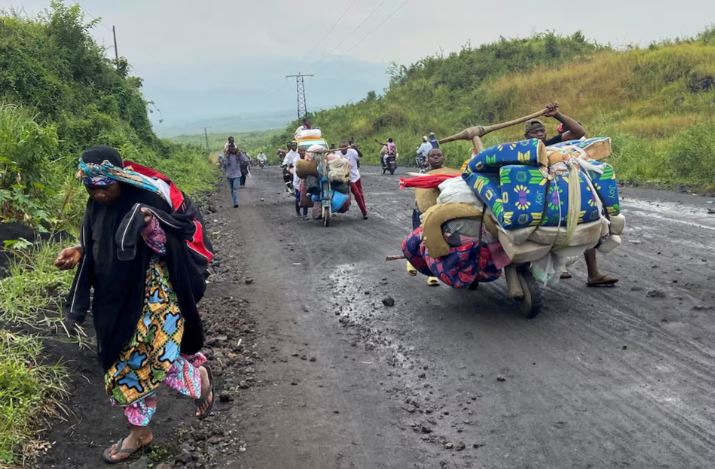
(305, 168)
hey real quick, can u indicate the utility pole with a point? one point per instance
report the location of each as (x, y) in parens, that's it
(300, 91)
(206, 136)
(116, 51)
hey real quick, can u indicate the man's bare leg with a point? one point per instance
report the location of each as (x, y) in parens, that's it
(595, 278)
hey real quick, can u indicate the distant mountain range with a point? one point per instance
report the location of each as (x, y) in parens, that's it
(243, 123)
(252, 94)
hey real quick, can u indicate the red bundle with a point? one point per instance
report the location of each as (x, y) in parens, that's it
(428, 181)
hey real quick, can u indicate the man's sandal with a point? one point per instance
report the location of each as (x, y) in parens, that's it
(602, 281)
(204, 404)
(109, 454)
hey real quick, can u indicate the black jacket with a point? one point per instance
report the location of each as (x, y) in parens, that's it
(114, 266)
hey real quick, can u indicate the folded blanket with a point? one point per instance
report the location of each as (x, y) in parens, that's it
(596, 148)
(461, 267)
(433, 219)
(606, 187)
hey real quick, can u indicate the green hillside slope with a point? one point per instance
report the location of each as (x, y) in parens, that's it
(657, 103)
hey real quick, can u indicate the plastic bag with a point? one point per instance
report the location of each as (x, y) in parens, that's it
(456, 190)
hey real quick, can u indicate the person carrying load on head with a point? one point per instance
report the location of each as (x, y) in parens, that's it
(569, 129)
(231, 165)
(142, 263)
(425, 198)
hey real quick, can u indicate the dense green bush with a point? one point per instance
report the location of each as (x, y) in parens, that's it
(691, 154)
(58, 96)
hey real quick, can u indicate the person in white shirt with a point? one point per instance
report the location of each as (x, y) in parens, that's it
(289, 162)
(355, 184)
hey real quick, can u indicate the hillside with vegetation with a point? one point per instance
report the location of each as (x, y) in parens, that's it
(58, 96)
(657, 103)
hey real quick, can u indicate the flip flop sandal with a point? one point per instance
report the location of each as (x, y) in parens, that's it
(603, 281)
(203, 401)
(411, 270)
(432, 281)
(565, 275)
(124, 453)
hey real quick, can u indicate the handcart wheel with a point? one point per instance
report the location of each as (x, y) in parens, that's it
(326, 216)
(531, 304)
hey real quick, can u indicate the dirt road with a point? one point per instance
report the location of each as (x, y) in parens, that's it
(327, 376)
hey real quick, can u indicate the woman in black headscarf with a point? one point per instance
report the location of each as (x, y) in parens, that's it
(134, 258)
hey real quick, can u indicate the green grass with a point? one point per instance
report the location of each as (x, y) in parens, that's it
(30, 394)
(31, 390)
(31, 294)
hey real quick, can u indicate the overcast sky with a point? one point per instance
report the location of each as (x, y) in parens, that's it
(215, 58)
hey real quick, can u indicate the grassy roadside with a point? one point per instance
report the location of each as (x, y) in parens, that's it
(31, 389)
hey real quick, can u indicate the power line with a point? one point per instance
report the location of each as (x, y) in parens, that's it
(315, 64)
(272, 90)
(330, 30)
(377, 27)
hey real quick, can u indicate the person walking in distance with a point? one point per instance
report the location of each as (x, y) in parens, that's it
(232, 169)
(245, 164)
(355, 184)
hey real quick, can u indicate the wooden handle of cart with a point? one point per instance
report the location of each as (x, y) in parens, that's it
(394, 258)
(474, 133)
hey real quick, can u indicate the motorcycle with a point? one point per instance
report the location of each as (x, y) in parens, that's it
(261, 164)
(389, 163)
(288, 179)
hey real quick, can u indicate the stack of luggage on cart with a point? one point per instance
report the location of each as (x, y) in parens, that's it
(517, 203)
(311, 171)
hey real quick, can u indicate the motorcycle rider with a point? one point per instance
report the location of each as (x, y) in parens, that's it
(389, 149)
(422, 152)
(288, 163)
(262, 158)
(433, 140)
